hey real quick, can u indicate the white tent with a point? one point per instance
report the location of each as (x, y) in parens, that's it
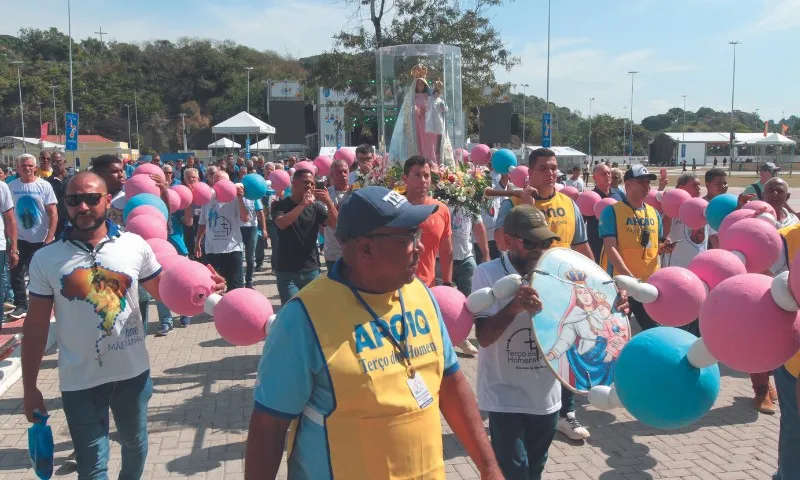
(224, 143)
(243, 124)
(262, 145)
(772, 139)
(6, 142)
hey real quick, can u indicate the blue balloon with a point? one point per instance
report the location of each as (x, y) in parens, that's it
(503, 160)
(144, 199)
(720, 207)
(657, 384)
(255, 186)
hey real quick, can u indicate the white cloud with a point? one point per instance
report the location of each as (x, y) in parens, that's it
(778, 15)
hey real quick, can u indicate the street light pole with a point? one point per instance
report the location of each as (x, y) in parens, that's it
(733, 92)
(69, 23)
(55, 117)
(624, 130)
(128, 106)
(136, 112)
(40, 115)
(591, 99)
(21, 106)
(183, 122)
(684, 118)
(524, 103)
(633, 74)
(248, 87)
(547, 99)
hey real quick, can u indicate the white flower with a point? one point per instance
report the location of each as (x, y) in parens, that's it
(461, 199)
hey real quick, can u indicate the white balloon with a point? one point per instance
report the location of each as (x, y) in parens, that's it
(507, 286)
(781, 293)
(480, 300)
(211, 303)
(604, 397)
(699, 356)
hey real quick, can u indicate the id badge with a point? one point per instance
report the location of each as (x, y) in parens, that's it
(420, 391)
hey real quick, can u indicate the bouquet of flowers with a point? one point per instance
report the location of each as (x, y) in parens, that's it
(389, 176)
(462, 187)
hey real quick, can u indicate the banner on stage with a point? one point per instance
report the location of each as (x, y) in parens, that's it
(71, 142)
(286, 90)
(331, 120)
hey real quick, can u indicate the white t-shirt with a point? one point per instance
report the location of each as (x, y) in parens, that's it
(6, 204)
(222, 222)
(513, 376)
(789, 218)
(98, 322)
(29, 201)
(461, 226)
(577, 183)
(252, 219)
(333, 250)
(781, 265)
(692, 243)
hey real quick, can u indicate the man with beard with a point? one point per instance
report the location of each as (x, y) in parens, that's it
(523, 398)
(98, 368)
(361, 364)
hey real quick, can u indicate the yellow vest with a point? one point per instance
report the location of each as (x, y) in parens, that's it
(641, 261)
(791, 239)
(560, 212)
(377, 429)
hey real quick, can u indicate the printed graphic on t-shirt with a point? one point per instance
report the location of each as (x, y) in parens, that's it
(219, 225)
(522, 352)
(28, 213)
(105, 290)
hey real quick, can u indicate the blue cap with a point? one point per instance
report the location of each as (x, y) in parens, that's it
(145, 158)
(370, 208)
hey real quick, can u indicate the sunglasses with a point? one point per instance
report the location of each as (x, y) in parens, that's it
(90, 199)
(530, 245)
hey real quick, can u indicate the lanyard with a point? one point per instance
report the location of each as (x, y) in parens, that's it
(385, 331)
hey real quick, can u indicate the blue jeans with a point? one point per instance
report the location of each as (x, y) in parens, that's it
(3, 276)
(789, 437)
(520, 443)
(249, 238)
(87, 418)
(289, 283)
(144, 306)
(462, 274)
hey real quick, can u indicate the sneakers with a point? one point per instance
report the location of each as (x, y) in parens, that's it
(18, 313)
(571, 427)
(165, 329)
(468, 348)
(763, 403)
(71, 463)
(773, 394)
(186, 321)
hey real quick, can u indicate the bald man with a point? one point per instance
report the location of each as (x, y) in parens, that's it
(91, 281)
(776, 193)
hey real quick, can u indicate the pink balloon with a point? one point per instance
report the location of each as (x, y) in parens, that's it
(141, 184)
(185, 287)
(758, 205)
(174, 200)
(460, 155)
(147, 227)
(680, 295)
(453, 305)
(732, 218)
(323, 164)
(306, 165)
(345, 154)
(652, 200)
(760, 245)
(481, 154)
(185, 195)
(519, 176)
(571, 192)
(161, 247)
(168, 262)
(225, 190)
(241, 317)
(280, 180)
(672, 200)
(745, 329)
(201, 194)
(692, 212)
(601, 205)
(586, 202)
(714, 266)
(148, 169)
(558, 187)
(146, 210)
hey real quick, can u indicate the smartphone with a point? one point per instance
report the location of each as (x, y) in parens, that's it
(663, 173)
(320, 185)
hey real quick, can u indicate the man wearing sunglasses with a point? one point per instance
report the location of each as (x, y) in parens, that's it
(37, 217)
(361, 364)
(91, 277)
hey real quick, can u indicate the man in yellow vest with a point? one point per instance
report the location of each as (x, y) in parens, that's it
(786, 384)
(565, 221)
(360, 364)
(632, 233)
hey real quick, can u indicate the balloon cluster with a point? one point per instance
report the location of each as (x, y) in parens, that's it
(242, 316)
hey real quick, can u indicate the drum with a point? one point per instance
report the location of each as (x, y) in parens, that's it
(579, 331)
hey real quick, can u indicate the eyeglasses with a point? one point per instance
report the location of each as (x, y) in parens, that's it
(410, 237)
(530, 245)
(90, 199)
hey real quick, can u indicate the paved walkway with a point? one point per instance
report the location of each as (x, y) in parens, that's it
(201, 407)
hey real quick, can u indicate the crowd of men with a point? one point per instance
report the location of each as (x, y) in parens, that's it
(361, 353)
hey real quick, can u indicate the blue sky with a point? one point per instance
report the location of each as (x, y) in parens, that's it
(678, 46)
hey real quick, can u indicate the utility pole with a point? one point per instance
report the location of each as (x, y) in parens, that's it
(128, 106)
(733, 93)
(248, 87)
(40, 115)
(684, 118)
(183, 122)
(524, 102)
(624, 130)
(591, 99)
(633, 74)
(55, 117)
(136, 111)
(21, 106)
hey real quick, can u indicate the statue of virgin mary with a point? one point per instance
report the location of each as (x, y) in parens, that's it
(410, 135)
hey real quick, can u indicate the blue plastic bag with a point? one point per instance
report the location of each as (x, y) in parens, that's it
(40, 446)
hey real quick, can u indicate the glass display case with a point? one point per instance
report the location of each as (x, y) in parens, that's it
(419, 100)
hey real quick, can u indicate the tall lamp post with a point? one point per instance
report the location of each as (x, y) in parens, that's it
(128, 106)
(136, 113)
(624, 130)
(21, 106)
(733, 92)
(546, 142)
(524, 102)
(633, 74)
(40, 115)
(55, 117)
(183, 122)
(248, 87)
(591, 99)
(684, 119)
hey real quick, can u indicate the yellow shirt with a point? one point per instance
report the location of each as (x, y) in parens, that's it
(44, 173)
(791, 244)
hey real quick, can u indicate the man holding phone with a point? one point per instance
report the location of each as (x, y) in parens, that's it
(298, 219)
